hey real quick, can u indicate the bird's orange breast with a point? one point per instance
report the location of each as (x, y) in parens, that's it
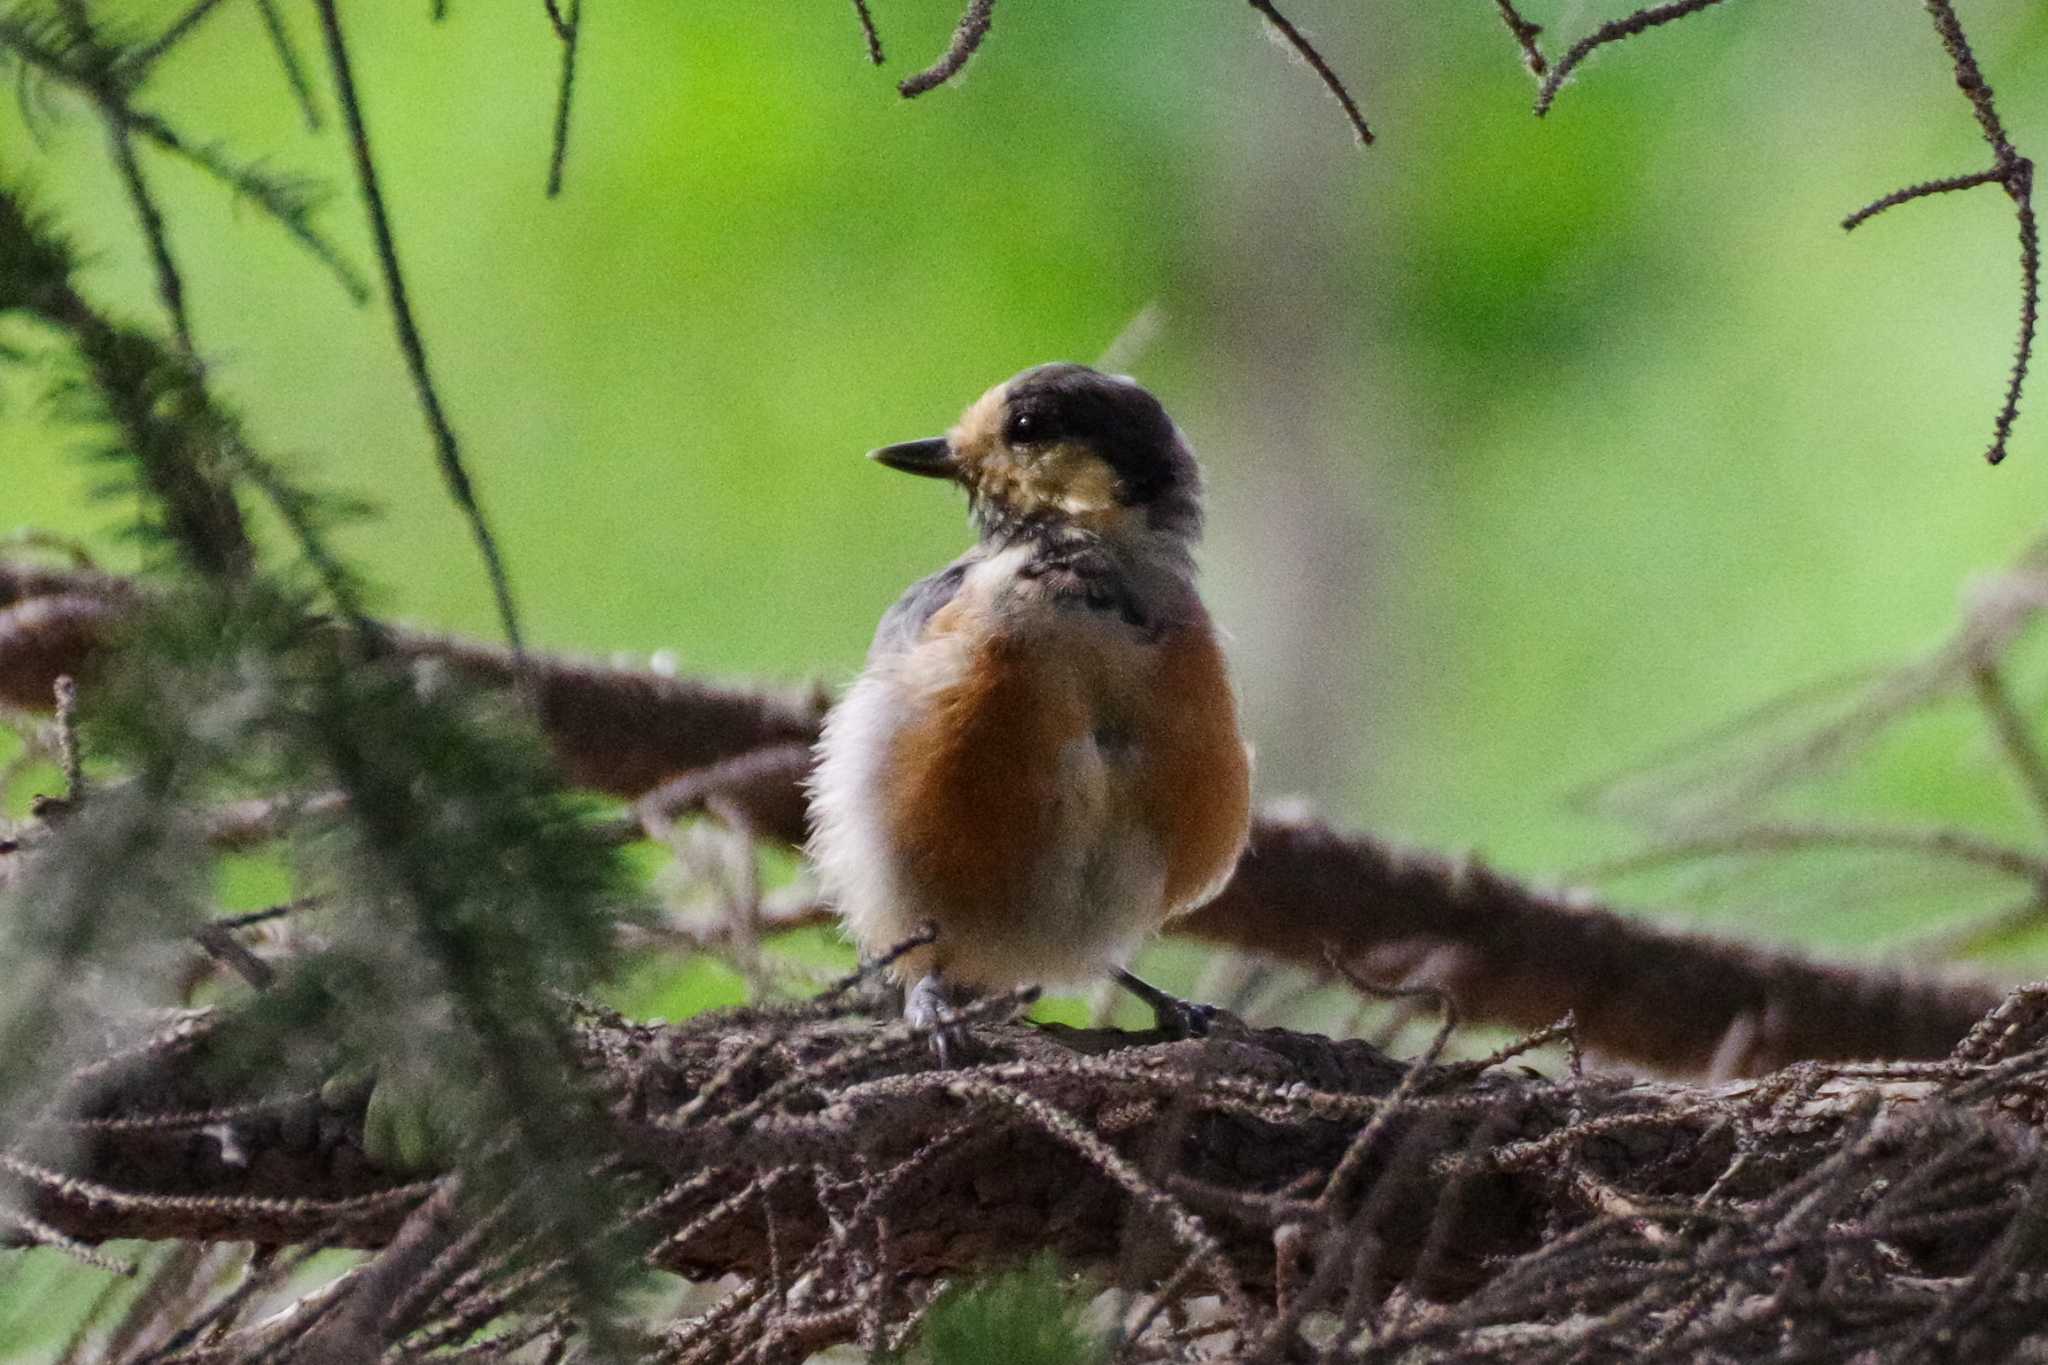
(1195, 785)
(1054, 748)
(973, 779)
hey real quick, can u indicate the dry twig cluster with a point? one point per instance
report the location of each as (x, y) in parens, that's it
(1258, 1195)
(2009, 170)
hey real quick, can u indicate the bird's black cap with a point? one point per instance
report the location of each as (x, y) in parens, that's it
(1115, 417)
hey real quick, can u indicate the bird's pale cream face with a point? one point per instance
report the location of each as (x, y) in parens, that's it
(1061, 446)
(1062, 478)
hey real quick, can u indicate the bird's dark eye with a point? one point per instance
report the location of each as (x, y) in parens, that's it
(1022, 428)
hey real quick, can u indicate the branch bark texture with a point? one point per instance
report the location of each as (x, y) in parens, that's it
(820, 1156)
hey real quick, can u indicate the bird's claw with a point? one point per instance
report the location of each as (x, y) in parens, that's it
(928, 1009)
(1184, 1018)
(1178, 1019)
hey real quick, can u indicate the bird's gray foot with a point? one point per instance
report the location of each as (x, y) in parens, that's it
(928, 1007)
(1172, 1015)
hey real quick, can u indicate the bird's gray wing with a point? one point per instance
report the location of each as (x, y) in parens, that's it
(904, 622)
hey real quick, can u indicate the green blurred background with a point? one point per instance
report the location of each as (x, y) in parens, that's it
(1533, 446)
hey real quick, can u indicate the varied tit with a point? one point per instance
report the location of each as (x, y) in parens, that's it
(1041, 759)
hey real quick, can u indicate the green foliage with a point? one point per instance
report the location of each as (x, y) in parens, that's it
(38, 1294)
(63, 47)
(1030, 1316)
(466, 889)
(462, 884)
(92, 936)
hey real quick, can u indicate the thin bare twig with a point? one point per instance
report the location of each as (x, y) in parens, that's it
(268, 913)
(288, 203)
(2015, 737)
(109, 86)
(179, 30)
(1613, 31)
(1920, 191)
(868, 31)
(2012, 173)
(288, 57)
(1977, 933)
(69, 750)
(569, 29)
(1306, 50)
(1526, 34)
(967, 38)
(1935, 842)
(170, 284)
(411, 344)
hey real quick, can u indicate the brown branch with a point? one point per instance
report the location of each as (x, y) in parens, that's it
(1920, 191)
(1512, 953)
(791, 1150)
(2012, 173)
(1506, 951)
(1525, 34)
(868, 32)
(1613, 31)
(624, 731)
(967, 39)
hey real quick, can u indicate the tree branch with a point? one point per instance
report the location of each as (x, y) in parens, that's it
(1288, 1174)
(1506, 951)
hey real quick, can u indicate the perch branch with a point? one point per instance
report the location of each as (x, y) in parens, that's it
(1585, 1209)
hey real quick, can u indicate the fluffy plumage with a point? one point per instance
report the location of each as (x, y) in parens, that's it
(1042, 755)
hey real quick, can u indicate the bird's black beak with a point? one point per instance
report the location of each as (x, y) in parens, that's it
(932, 457)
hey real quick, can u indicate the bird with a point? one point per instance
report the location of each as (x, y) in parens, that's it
(1040, 763)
